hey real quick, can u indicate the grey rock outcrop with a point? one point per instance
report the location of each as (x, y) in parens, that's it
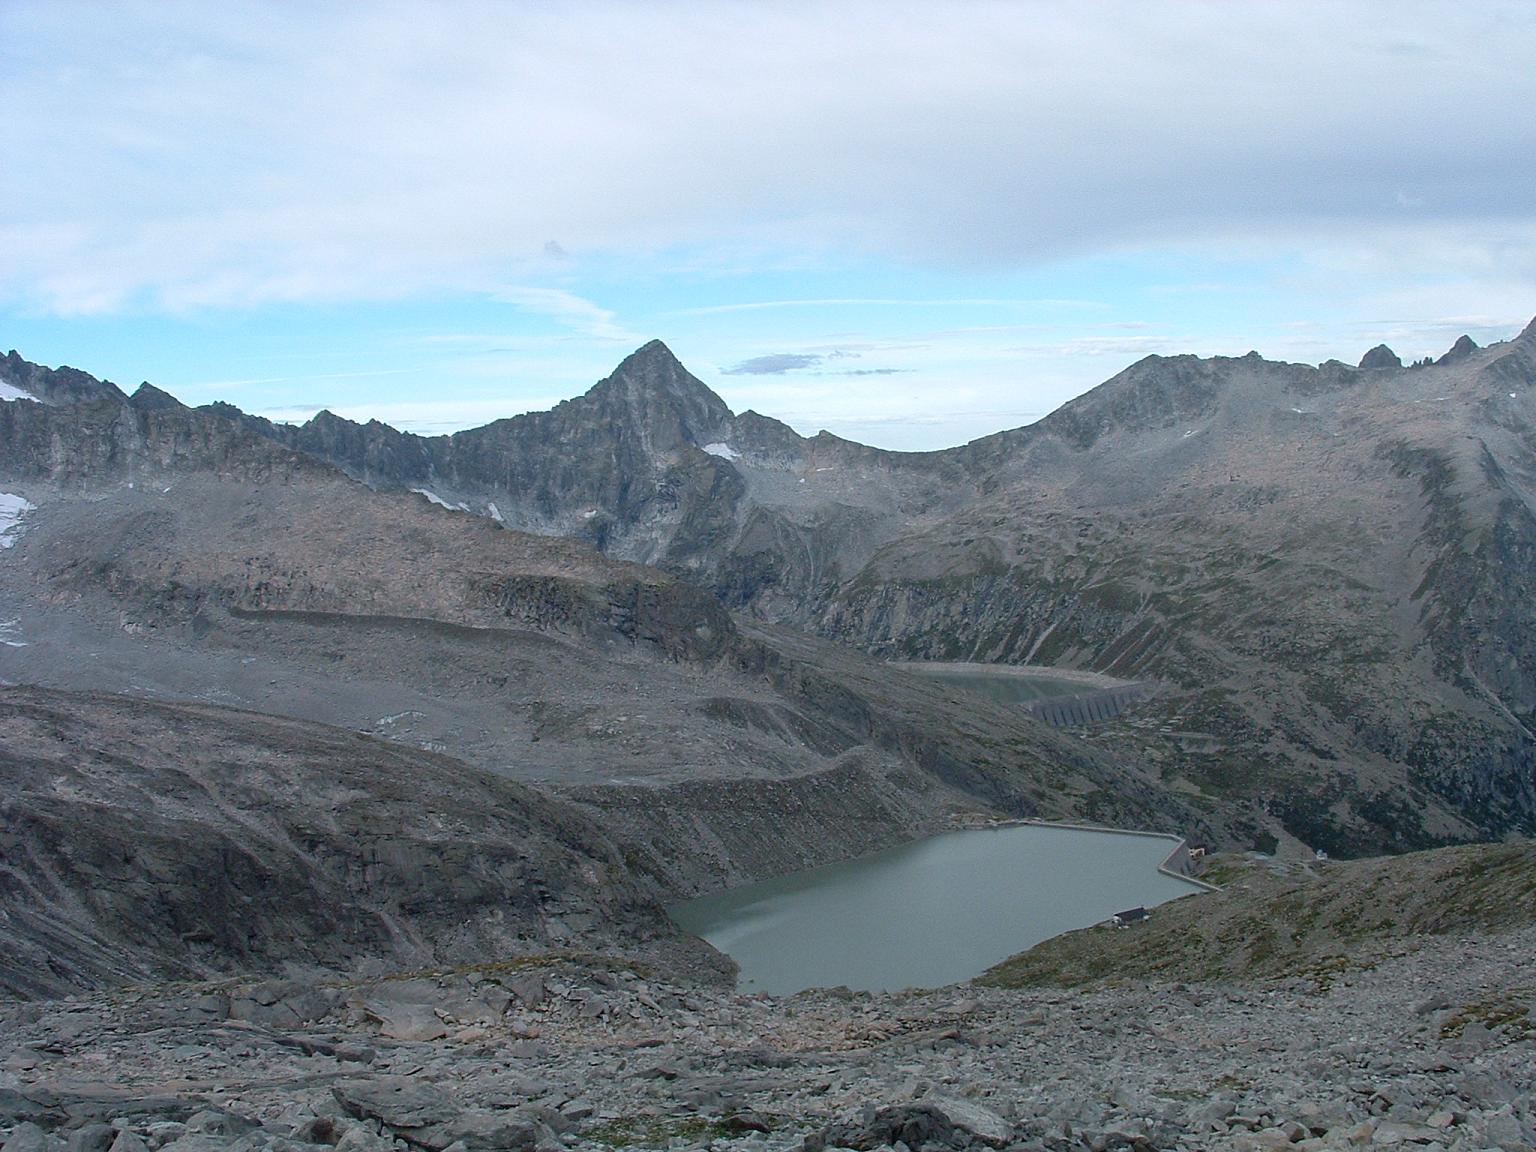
(1460, 350)
(61, 386)
(1380, 357)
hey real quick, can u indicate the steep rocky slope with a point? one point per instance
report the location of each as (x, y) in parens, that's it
(149, 841)
(1327, 569)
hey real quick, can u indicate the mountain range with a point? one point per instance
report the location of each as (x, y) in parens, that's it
(673, 627)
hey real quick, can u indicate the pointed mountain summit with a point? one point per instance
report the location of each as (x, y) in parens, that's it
(620, 466)
(1460, 350)
(146, 396)
(1381, 357)
(651, 389)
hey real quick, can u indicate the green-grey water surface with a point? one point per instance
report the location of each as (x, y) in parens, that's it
(929, 913)
(1002, 687)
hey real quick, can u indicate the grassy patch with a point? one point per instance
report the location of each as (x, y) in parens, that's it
(1507, 1013)
(656, 1132)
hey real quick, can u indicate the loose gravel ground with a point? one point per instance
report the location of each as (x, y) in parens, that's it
(1432, 1048)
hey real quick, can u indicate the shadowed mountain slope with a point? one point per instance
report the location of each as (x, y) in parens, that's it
(152, 841)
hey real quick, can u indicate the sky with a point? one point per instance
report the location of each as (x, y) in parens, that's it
(909, 224)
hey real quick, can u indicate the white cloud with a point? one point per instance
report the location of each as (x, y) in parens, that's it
(570, 310)
(182, 155)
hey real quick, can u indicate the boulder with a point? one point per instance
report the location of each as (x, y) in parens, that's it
(984, 1125)
(412, 1022)
(92, 1138)
(28, 1137)
(528, 987)
(486, 1132)
(924, 1122)
(396, 1101)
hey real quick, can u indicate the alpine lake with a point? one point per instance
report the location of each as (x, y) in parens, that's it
(932, 912)
(943, 909)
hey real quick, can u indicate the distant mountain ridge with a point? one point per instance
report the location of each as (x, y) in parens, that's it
(1326, 569)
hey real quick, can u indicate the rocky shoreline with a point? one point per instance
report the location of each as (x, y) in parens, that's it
(1429, 1046)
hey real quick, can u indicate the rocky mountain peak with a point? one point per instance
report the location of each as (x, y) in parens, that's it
(147, 397)
(1460, 350)
(62, 385)
(1154, 392)
(651, 389)
(1381, 357)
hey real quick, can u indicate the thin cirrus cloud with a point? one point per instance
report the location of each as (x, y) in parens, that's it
(570, 311)
(774, 364)
(780, 363)
(255, 152)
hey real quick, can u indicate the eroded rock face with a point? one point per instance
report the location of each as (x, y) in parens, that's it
(146, 840)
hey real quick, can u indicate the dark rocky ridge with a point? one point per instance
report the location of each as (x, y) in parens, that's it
(1325, 565)
(62, 385)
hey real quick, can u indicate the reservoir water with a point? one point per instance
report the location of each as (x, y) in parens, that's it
(929, 913)
(1013, 683)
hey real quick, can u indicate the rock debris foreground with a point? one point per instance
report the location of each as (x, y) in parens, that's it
(1432, 1048)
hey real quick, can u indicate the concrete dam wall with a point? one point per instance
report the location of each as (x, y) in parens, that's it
(1087, 707)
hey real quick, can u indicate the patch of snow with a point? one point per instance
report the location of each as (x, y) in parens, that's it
(589, 513)
(1191, 432)
(1513, 395)
(12, 509)
(11, 392)
(724, 451)
(823, 469)
(802, 479)
(495, 512)
(15, 643)
(432, 496)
